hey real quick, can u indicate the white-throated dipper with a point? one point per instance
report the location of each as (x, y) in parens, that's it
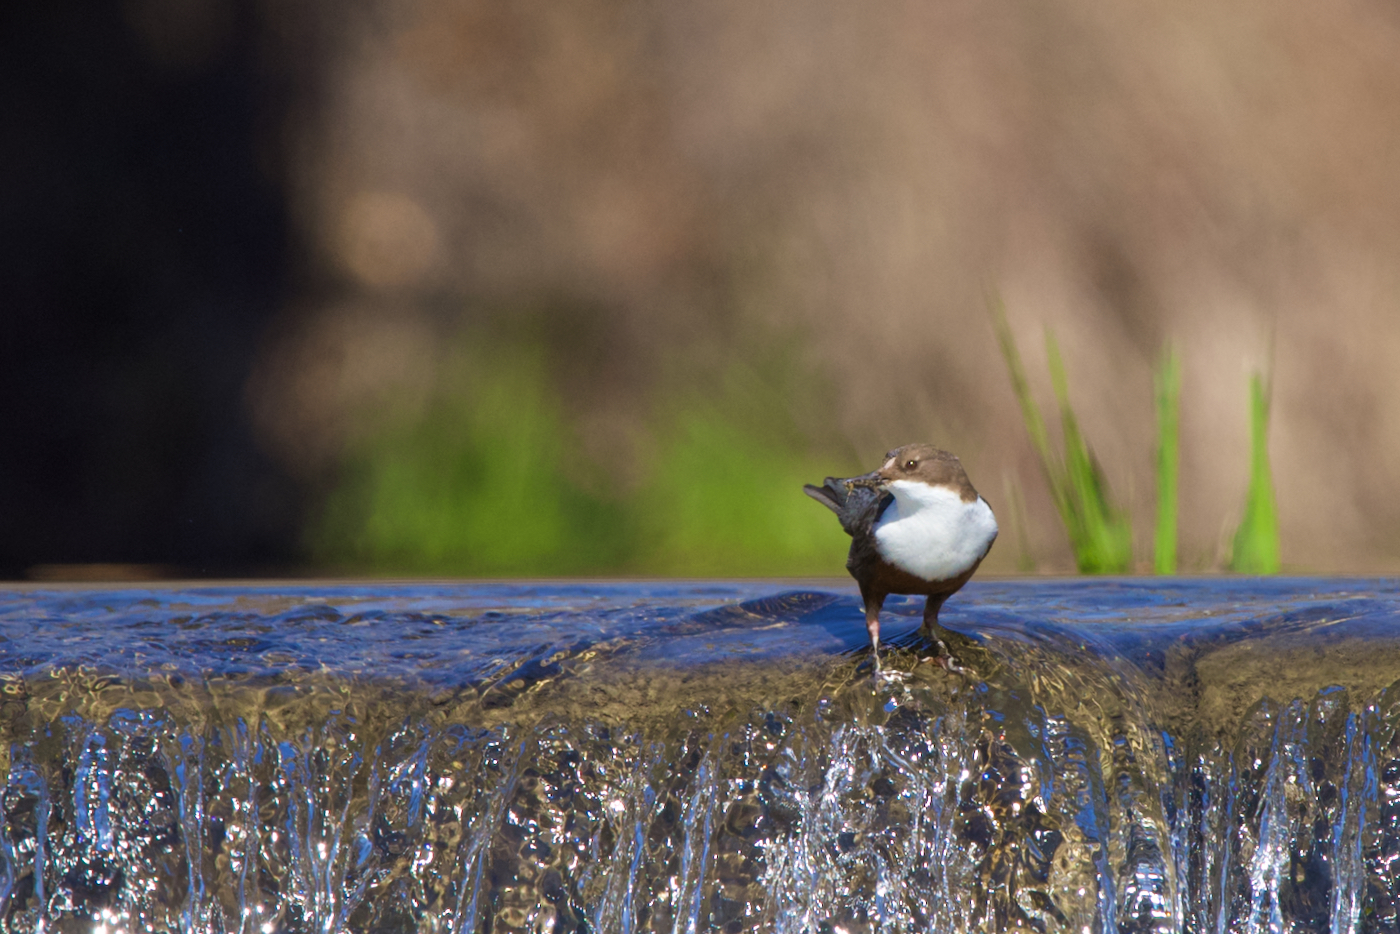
(917, 526)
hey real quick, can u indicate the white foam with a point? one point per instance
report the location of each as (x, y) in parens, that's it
(932, 533)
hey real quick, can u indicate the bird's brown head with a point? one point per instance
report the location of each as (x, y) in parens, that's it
(921, 463)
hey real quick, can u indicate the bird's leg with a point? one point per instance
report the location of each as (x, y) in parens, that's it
(873, 602)
(934, 633)
(872, 626)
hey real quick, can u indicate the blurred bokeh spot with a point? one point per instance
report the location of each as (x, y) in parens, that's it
(386, 239)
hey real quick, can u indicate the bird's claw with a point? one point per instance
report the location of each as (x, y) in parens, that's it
(890, 676)
(945, 660)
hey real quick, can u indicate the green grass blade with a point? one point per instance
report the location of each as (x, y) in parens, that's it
(1050, 462)
(1099, 533)
(1256, 546)
(1102, 533)
(1168, 393)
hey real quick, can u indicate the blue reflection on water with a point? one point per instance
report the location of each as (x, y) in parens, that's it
(450, 632)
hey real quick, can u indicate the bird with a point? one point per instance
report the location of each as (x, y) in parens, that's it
(917, 526)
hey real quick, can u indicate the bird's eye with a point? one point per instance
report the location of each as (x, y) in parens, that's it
(910, 465)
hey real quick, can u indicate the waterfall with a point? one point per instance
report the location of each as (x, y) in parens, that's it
(1122, 756)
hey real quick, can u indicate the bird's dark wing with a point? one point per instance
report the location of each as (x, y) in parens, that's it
(857, 509)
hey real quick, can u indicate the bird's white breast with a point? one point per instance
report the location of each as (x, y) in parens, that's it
(930, 532)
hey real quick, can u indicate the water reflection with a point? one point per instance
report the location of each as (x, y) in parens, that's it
(1128, 756)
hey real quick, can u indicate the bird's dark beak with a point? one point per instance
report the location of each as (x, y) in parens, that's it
(869, 481)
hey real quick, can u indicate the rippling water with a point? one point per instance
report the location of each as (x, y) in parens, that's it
(1203, 756)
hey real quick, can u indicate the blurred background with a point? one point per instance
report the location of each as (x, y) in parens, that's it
(465, 287)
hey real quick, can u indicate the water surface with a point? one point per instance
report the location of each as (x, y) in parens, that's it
(1213, 755)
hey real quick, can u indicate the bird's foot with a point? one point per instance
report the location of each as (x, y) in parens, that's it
(884, 676)
(881, 675)
(945, 660)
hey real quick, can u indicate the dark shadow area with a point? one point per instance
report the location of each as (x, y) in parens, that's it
(144, 245)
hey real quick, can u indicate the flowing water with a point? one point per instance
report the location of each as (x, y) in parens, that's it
(1120, 756)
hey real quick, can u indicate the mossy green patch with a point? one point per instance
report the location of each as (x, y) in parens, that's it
(476, 483)
(720, 500)
(486, 479)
